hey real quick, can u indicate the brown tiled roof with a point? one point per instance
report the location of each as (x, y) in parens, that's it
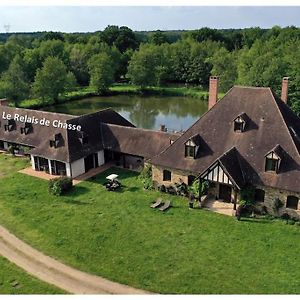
(70, 148)
(269, 123)
(91, 127)
(136, 141)
(231, 162)
(40, 135)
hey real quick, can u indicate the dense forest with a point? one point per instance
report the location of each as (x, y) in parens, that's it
(47, 64)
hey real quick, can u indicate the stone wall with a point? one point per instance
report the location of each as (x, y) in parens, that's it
(177, 176)
(270, 193)
(273, 193)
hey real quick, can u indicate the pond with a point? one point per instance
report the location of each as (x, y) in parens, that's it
(149, 112)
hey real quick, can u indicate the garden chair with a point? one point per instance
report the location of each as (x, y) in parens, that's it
(165, 206)
(157, 203)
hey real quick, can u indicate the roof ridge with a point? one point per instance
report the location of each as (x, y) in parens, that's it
(196, 122)
(39, 111)
(283, 119)
(96, 112)
(144, 129)
(252, 87)
(218, 159)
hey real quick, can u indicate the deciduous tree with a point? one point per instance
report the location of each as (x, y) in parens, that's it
(101, 72)
(13, 83)
(52, 79)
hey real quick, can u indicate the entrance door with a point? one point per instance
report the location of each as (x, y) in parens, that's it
(225, 192)
(89, 162)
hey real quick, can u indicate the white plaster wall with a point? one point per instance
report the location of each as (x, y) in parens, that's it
(101, 158)
(5, 145)
(68, 169)
(49, 164)
(76, 168)
(32, 162)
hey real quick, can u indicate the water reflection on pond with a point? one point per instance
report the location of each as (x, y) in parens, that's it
(177, 113)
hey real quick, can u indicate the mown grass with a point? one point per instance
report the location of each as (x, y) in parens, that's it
(85, 92)
(9, 164)
(118, 236)
(15, 281)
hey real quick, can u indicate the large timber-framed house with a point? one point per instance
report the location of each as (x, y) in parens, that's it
(249, 137)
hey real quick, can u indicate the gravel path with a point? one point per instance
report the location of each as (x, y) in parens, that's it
(52, 271)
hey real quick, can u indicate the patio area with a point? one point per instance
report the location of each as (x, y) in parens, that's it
(43, 175)
(218, 206)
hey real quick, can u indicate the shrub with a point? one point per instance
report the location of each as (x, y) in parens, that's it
(239, 212)
(162, 188)
(171, 190)
(146, 177)
(181, 189)
(290, 215)
(291, 222)
(11, 149)
(260, 209)
(276, 205)
(58, 186)
(198, 188)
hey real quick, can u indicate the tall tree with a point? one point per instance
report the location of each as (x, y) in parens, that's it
(13, 83)
(158, 38)
(149, 66)
(101, 72)
(79, 63)
(52, 79)
(122, 37)
(225, 65)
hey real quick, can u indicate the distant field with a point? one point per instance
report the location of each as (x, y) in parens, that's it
(118, 236)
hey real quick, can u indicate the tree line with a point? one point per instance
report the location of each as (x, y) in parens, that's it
(48, 64)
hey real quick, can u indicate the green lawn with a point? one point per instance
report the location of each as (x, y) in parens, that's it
(9, 164)
(117, 235)
(15, 281)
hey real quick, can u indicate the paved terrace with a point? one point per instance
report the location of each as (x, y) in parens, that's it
(43, 175)
(218, 206)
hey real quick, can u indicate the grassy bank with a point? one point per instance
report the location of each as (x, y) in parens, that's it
(117, 235)
(14, 281)
(85, 92)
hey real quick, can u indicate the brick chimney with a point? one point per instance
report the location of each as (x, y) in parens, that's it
(4, 102)
(285, 89)
(213, 91)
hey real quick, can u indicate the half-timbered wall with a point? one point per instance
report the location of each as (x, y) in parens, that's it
(216, 174)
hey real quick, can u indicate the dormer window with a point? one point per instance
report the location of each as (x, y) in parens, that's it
(10, 125)
(83, 137)
(273, 159)
(190, 151)
(56, 142)
(192, 147)
(52, 144)
(271, 164)
(239, 123)
(26, 129)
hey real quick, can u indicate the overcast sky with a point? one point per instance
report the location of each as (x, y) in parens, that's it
(82, 19)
